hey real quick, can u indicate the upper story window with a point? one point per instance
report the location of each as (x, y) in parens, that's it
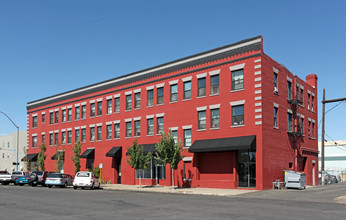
(301, 130)
(312, 129)
(117, 104)
(34, 121)
(297, 92)
(214, 85)
(116, 130)
(77, 113)
(137, 128)
(83, 111)
(63, 137)
(238, 115)
(99, 133)
(238, 79)
(174, 93)
(92, 109)
(128, 129)
(214, 118)
(276, 109)
(289, 121)
(69, 114)
(150, 126)
(43, 138)
(69, 137)
(202, 120)
(201, 87)
(56, 117)
(187, 137)
(175, 136)
(312, 102)
(150, 98)
(309, 105)
(160, 125)
(56, 138)
(63, 117)
(302, 95)
(275, 80)
(109, 132)
(51, 139)
(160, 93)
(137, 100)
(187, 90)
(128, 102)
(51, 117)
(77, 135)
(289, 90)
(83, 135)
(34, 141)
(109, 106)
(43, 118)
(92, 134)
(99, 108)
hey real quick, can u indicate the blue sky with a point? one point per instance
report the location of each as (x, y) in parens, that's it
(49, 47)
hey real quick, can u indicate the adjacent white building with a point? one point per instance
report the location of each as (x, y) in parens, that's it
(8, 151)
(334, 157)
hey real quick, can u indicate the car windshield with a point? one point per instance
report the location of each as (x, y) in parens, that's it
(16, 173)
(38, 172)
(54, 175)
(3, 172)
(83, 174)
(25, 176)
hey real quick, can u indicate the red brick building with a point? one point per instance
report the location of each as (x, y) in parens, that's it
(242, 117)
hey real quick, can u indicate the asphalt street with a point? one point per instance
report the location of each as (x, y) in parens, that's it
(43, 203)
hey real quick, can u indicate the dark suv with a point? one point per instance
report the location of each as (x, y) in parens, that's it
(38, 177)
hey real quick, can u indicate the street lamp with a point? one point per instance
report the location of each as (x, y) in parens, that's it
(17, 137)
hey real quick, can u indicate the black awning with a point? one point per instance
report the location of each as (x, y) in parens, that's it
(114, 152)
(224, 144)
(55, 156)
(30, 157)
(147, 148)
(88, 153)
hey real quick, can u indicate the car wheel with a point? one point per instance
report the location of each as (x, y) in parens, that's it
(49, 186)
(82, 187)
(21, 184)
(92, 186)
(65, 185)
(75, 187)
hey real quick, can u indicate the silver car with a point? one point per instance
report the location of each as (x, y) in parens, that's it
(59, 179)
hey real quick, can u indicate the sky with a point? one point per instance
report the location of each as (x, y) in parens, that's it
(49, 47)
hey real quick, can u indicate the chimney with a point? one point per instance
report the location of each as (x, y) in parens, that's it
(312, 80)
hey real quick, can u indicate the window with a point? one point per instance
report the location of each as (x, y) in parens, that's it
(187, 90)
(34, 141)
(128, 102)
(214, 85)
(51, 139)
(116, 131)
(150, 126)
(83, 111)
(99, 108)
(237, 79)
(201, 87)
(160, 96)
(128, 129)
(289, 90)
(109, 132)
(77, 113)
(309, 101)
(117, 104)
(309, 129)
(276, 89)
(92, 134)
(51, 118)
(276, 117)
(63, 119)
(63, 137)
(312, 129)
(289, 122)
(301, 96)
(83, 135)
(34, 121)
(202, 120)
(43, 118)
(92, 109)
(187, 137)
(238, 115)
(56, 138)
(56, 117)
(297, 92)
(175, 136)
(137, 100)
(109, 106)
(137, 128)
(312, 102)
(174, 93)
(160, 125)
(69, 137)
(77, 135)
(302, 125)
(69, 114)
(43, 138)
(150, 98)
(214, 118)
(154, 170)
(99, 133)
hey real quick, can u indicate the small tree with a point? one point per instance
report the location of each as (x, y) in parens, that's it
(169, 152)
(41, 157)
(76, 156)
(138, 160)
(59, 160)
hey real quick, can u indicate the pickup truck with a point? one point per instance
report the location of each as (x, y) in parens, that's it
(5, 178)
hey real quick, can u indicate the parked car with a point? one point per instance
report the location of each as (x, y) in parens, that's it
(17, 174)
(59, 179)
(325, 176)
(333, 179)
(5, 178)
(23, 180)
(38, 177)
(85, 179)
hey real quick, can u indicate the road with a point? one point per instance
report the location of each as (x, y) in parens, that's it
(43, 203)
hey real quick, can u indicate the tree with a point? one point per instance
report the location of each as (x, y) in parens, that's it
(59, 160)
(138, 160)
(41, 157)
(76, 156)
(169, 152)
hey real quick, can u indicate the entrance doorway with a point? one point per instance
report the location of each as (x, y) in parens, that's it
(246, 168)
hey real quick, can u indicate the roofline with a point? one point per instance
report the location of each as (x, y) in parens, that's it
(152, 69)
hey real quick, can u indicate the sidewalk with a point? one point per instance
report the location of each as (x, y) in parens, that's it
(165, 189)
